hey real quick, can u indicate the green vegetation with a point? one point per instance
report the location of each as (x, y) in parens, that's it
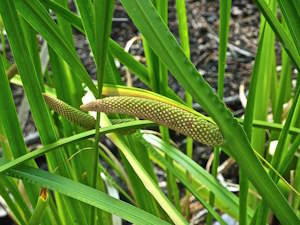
(72, 139)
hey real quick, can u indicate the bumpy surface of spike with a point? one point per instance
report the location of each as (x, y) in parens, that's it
(173, 117)
(70, 113)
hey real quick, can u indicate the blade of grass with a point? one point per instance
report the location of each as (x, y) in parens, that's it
(31, 39)
(264, 70)
(284, 92)
(152, 67)
(9, 118)
(250, 108)
(85, 194)
(279, 30)
(75, 138)
(152, 59)
(87, 22)
(248, 122)
(73, 93)
(11, 127)
(291, 16)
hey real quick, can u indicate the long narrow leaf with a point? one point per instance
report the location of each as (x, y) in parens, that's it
(74, 138)
(284, 38)
(85, 194)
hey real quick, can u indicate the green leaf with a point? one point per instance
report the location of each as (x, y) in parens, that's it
(87, 22)
(72, 139)
(85, 194)
(292, 17)
(9, 118)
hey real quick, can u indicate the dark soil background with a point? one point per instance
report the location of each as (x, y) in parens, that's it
(203, 29)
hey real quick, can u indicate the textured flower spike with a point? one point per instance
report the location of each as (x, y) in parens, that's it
(70, 113)
(162, 113)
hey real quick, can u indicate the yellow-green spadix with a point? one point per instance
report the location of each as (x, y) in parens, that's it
(161, 113)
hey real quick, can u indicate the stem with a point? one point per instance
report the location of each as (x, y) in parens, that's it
(225, 7)
(103, 11)
(184, 38)
(214, 173)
